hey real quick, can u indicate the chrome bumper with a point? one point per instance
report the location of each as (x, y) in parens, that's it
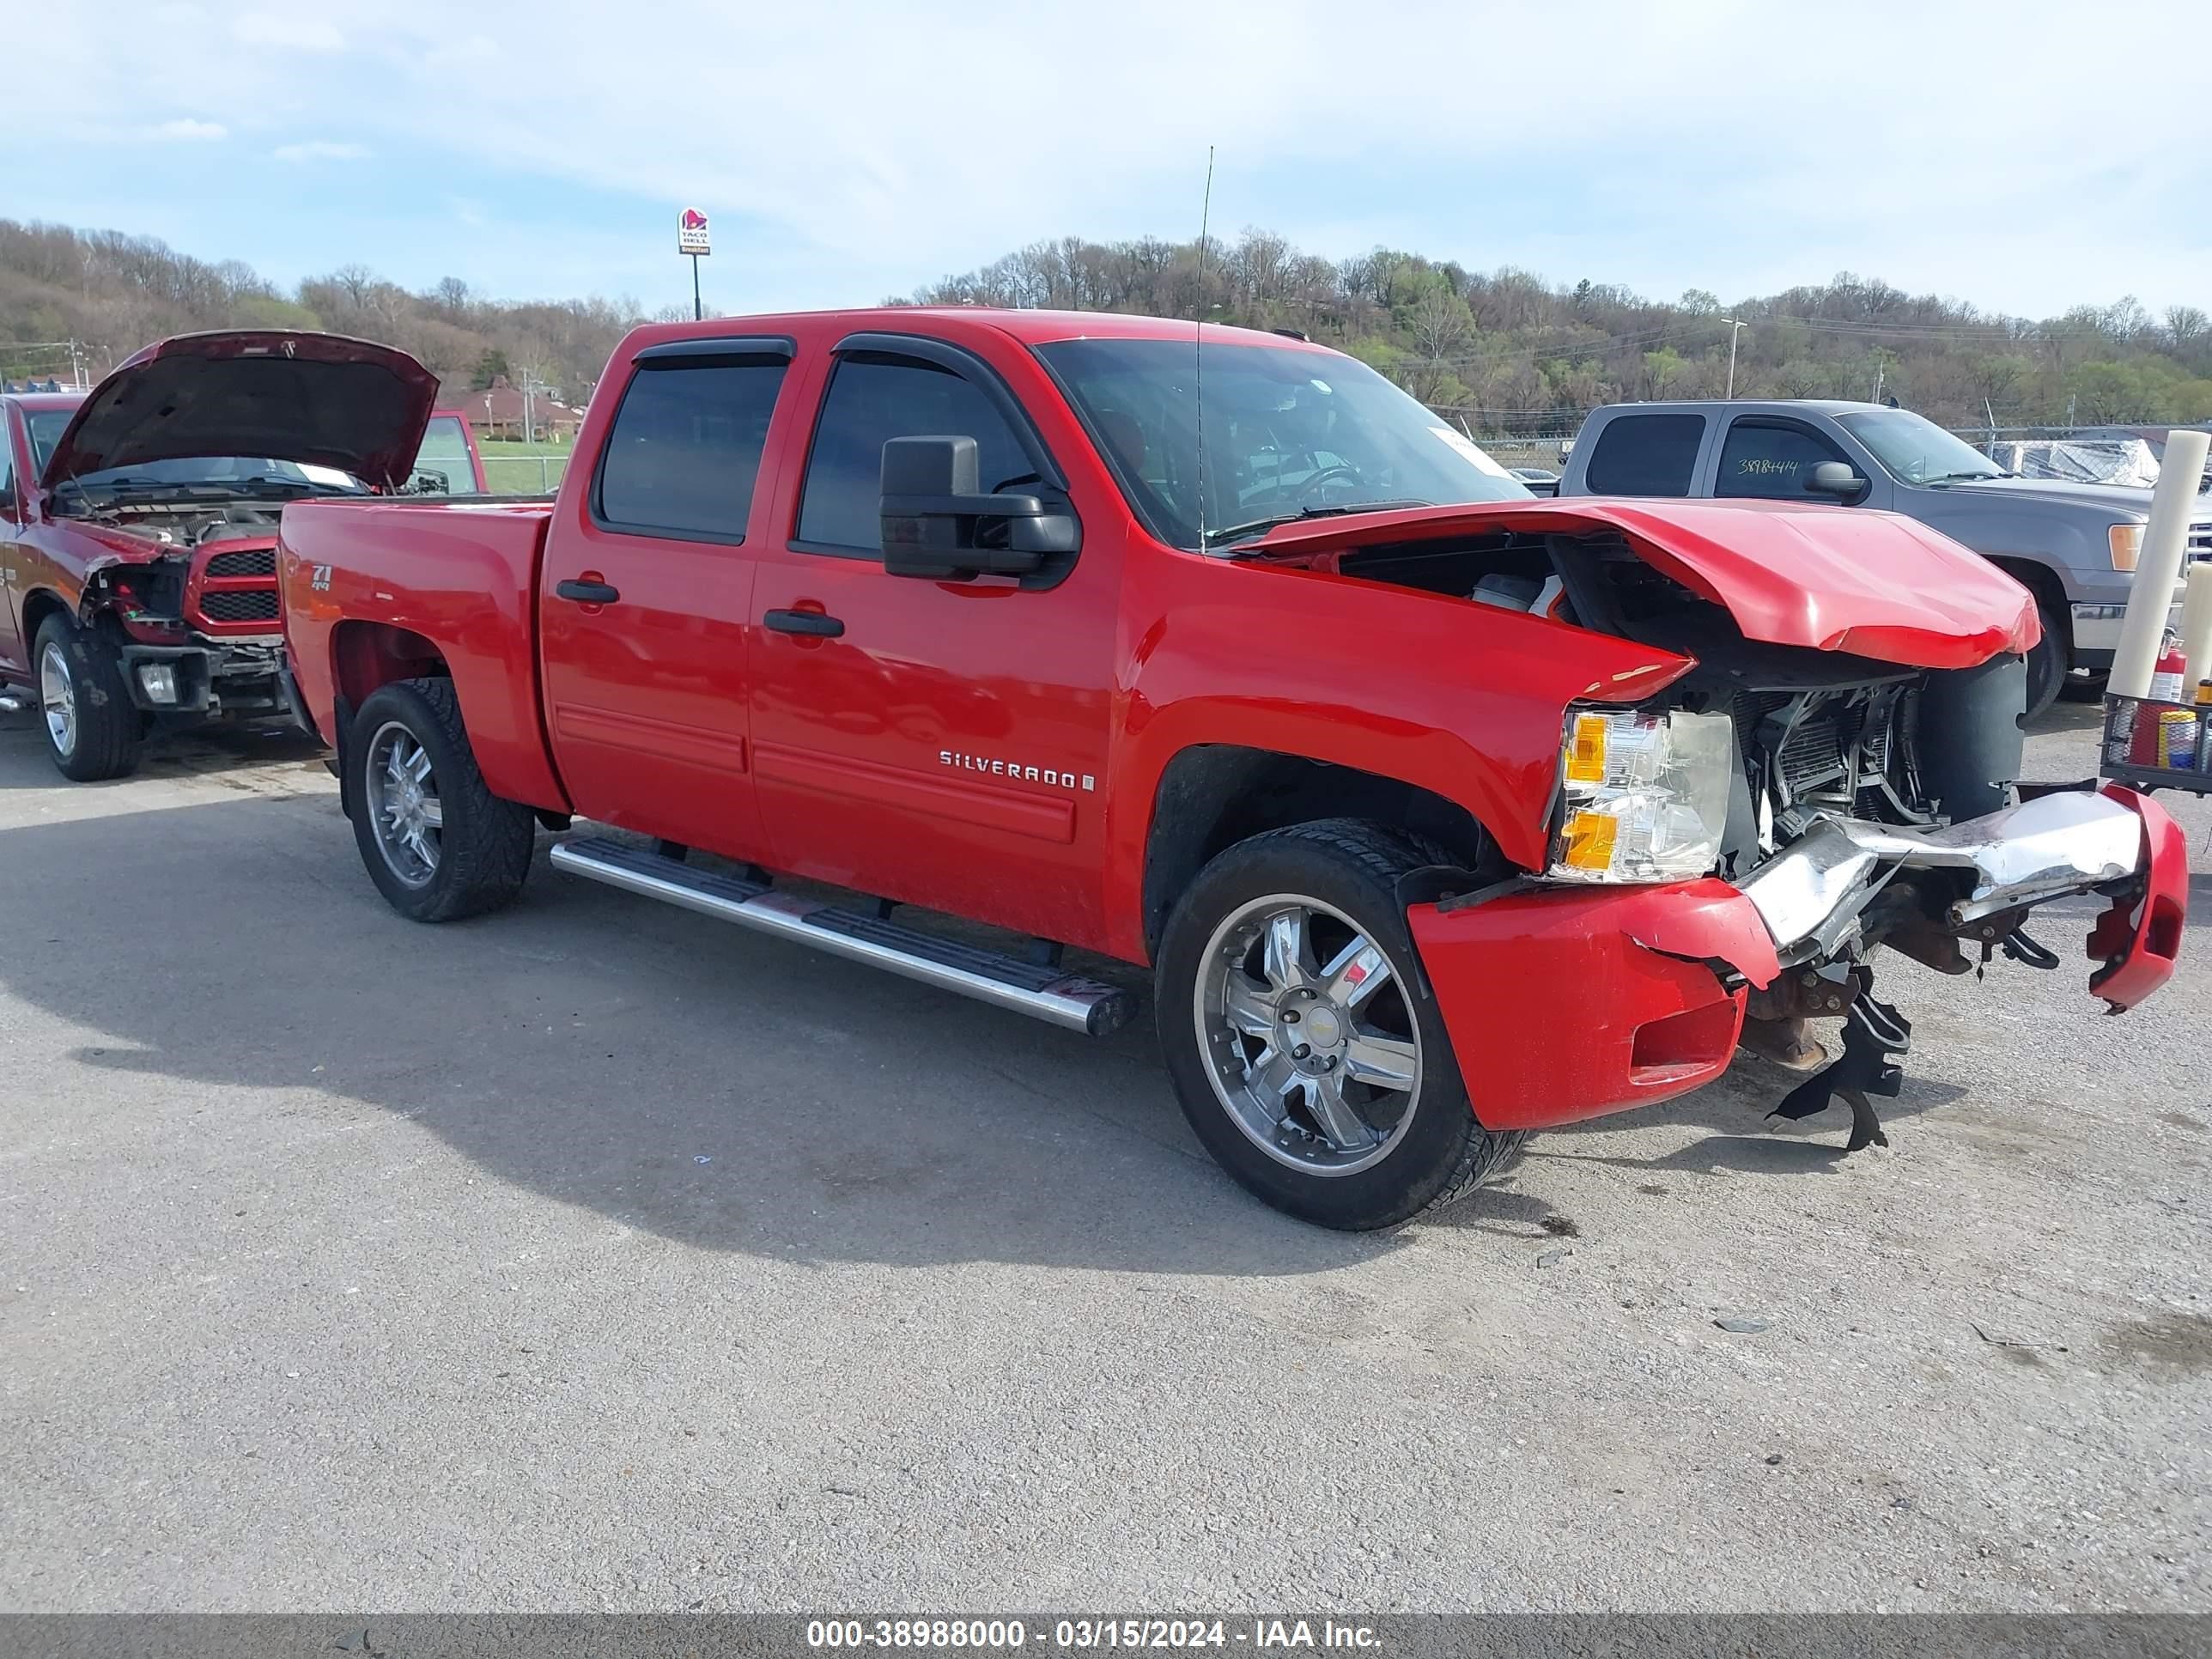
(1811, 894)
(2097, 627)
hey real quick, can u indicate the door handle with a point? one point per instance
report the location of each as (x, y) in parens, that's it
(586, 593)
(805, 621)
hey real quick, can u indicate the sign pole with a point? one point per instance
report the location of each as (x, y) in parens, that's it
(692, 241)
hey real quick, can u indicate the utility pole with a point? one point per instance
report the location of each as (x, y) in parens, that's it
(1735, 328)
(1881, 363)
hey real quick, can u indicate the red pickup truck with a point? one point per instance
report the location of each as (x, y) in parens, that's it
(1439, 813)
(138, 525)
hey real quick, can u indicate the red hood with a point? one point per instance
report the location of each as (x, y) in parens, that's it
(1829, 578)
(317, 400)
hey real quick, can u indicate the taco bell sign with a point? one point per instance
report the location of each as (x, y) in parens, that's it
(691, 232)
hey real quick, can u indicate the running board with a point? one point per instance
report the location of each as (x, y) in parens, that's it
(1042, 992)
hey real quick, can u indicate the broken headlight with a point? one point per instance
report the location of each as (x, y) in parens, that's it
(1645, 796)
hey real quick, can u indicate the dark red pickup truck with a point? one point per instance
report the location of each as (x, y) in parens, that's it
(138, 525)
(1439, 813)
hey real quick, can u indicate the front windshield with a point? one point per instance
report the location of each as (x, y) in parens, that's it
(1288, 432)
(1916, 449)
(222, 471)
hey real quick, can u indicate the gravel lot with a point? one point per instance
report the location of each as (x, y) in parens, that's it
(597, 1256)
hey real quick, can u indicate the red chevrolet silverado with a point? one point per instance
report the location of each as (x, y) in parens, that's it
(138, 525)
(1438, 814)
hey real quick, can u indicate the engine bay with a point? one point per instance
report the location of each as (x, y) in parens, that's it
(186, 524)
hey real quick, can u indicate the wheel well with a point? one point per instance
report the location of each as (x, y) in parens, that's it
(1214, 795)
(2042, 580)
(365, 655)
(37, 608)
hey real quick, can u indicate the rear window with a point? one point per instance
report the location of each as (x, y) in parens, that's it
(44, 428)
(442, 464)
(1646, 455)
(685, 448)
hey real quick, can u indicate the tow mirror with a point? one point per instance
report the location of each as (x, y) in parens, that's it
(939, 524)
(1836, 478)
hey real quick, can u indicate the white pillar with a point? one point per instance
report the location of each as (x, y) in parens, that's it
(2197, 629)
(2158, 566)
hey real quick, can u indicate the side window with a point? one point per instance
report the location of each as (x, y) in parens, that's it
(1771, 461)
(1646, 455)
(870, 401)
(7, 468)
(685, 448)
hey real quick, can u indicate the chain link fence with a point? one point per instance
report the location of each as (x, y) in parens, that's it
(524, 475)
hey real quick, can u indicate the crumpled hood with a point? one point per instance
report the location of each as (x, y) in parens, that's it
(314, 400)
(1826, 578)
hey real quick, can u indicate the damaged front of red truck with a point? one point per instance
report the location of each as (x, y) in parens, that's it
(141, 562)
(1811, 753)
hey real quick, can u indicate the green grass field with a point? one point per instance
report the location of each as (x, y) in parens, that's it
(511, 448)
(515, 468)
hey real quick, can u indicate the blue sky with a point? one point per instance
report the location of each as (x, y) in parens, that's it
(2026, 158)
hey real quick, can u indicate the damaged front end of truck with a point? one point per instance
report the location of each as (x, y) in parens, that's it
(163, 493)
(1830, 769)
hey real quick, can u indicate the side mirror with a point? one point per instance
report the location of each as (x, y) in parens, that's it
(1836, 478)
(938, 525)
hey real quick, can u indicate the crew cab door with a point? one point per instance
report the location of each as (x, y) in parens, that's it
(939, 742)
(647, 580)
(1770, 457)
(1638, 453)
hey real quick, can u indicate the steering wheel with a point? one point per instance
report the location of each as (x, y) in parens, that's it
(1322, 478)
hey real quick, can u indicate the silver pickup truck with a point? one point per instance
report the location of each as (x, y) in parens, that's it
(2072, 545)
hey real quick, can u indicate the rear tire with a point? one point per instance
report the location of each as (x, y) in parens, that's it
(93, 729)
(1360, 1155)
(438, 843)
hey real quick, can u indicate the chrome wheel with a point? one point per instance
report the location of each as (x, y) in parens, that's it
(405, 812)
(1309, 1040)
(58, 697)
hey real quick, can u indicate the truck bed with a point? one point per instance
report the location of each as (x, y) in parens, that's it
(364, 579)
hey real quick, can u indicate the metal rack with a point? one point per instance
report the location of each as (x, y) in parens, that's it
(2124, 717)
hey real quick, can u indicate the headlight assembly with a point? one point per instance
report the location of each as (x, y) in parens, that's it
(1646, 796)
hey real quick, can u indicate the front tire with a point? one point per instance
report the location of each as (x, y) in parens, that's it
(1303, 1047)
(438, 843)
(2048, 663)
(2086, 685)
(93, 732)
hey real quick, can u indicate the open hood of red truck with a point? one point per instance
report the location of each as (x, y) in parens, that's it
(315, 399)
(1827, 577)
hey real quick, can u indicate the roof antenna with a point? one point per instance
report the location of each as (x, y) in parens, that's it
(1198, 349)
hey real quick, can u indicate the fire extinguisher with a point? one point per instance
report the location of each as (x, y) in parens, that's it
(2167, 679)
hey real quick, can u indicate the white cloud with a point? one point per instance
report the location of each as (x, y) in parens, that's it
(271, 29)
(319, 149)
(187, 130)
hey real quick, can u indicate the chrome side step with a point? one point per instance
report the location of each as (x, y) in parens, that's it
(1047, 993)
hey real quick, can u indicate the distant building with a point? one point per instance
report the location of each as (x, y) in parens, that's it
(498, 411)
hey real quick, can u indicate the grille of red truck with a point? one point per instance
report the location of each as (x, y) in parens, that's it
(232, 590)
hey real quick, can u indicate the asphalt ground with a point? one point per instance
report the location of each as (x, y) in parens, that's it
(598, 1256)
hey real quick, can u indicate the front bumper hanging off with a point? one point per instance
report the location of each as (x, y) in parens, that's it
(1564, 1003)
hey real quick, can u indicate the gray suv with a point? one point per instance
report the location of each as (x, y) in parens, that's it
(2073, 545)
